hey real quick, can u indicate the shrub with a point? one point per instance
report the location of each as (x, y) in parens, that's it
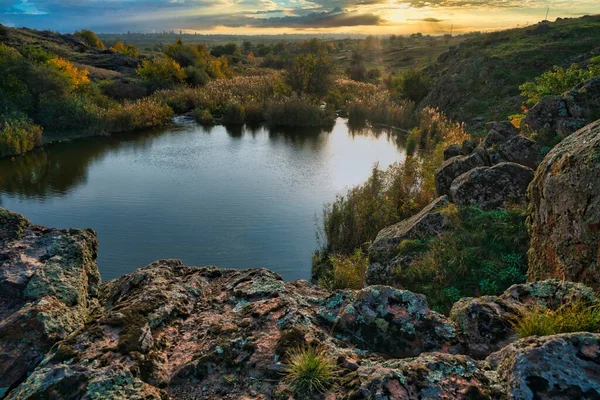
(140, 114)
(347, 272)
(541, 321)
(196, 76)
(556, 81)
(90, 38)
(3, 31)
(310, 370)
(310, 73)
(127, 49)
(181, 99)
(297, 112)
(482, 254)
(233, 114)
(413, 85)
(203, 116)
(67, 113)
(161, 73)
(124, 89)
(18, 135)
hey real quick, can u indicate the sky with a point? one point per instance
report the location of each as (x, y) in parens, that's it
(287, 16)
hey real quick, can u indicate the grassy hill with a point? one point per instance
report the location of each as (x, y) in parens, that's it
(481, 77)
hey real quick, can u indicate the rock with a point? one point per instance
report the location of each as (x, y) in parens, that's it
(452, 151)
(429, 376)
(456, 166)
(499, 132)
(518, 149)
(565, 211)
(565, 366)
(428, 222)
(48, 285)
(492, 187)
(559, 116)
(468, 146)
(391, 321)
(485, 323)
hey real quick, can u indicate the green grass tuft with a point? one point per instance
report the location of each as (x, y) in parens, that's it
(310, 370)
(541, 321)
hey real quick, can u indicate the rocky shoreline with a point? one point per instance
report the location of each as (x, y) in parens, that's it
(174, 331)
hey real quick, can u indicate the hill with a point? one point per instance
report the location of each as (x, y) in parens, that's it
(480, 78)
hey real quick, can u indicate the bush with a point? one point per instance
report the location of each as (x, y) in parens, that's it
(127, 49)
(347, 272)
(18, 135)
(556, 81)
(3, 31)
(482, 254)
(233, 114)
(141, 114)
(181, 100)
(310, 370)
(161, 73)
(203, 116)
(196, 76)
(68, 113)
(90, 38)
(123, 89)
(297, 112)
(541, 321)
(413, 85)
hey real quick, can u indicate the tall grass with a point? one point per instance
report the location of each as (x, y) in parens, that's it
(18, 135)
(297, 111)
(140, 114)
(347, 272)
(541, 321)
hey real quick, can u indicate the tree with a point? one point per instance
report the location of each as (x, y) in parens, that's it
(127, 49)
(412, 85)
(90, 38)
(161, 73)
(310, 73)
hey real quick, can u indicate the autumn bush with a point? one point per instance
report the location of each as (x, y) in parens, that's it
(140, 114)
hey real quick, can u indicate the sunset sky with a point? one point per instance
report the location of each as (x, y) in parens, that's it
(287, 16)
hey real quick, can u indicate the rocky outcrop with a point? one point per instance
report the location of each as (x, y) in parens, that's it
(485, 322)
(559, 116)
(48, 284)
(456, 166)
(518, 149)
(492, 187)
(565, 211)
(170, 331)
(384, 253)
(563, 366)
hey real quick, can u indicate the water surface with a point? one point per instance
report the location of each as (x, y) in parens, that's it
(228, 197)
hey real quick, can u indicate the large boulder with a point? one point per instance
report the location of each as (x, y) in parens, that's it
(486, 323)
(429, 376)
(48, 285)
(384, 252)
(565, 366)
(391, 321)
(492, 187)
(565, 211)
(456, 166)
(518, 149)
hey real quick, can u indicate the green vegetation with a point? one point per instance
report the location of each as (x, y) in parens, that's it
(310, 370)
(18, 135)
(346, 272)
(161, 73)
(575, 317)
(557, 81)
(90, 38)
(412, 85)
(127, 49)
(483, 253)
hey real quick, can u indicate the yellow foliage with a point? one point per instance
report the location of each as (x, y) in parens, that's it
(77, 76)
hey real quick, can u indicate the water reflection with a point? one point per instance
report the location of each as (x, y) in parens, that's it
(234, 197)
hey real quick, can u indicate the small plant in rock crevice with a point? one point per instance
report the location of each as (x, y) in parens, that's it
(310, 370)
